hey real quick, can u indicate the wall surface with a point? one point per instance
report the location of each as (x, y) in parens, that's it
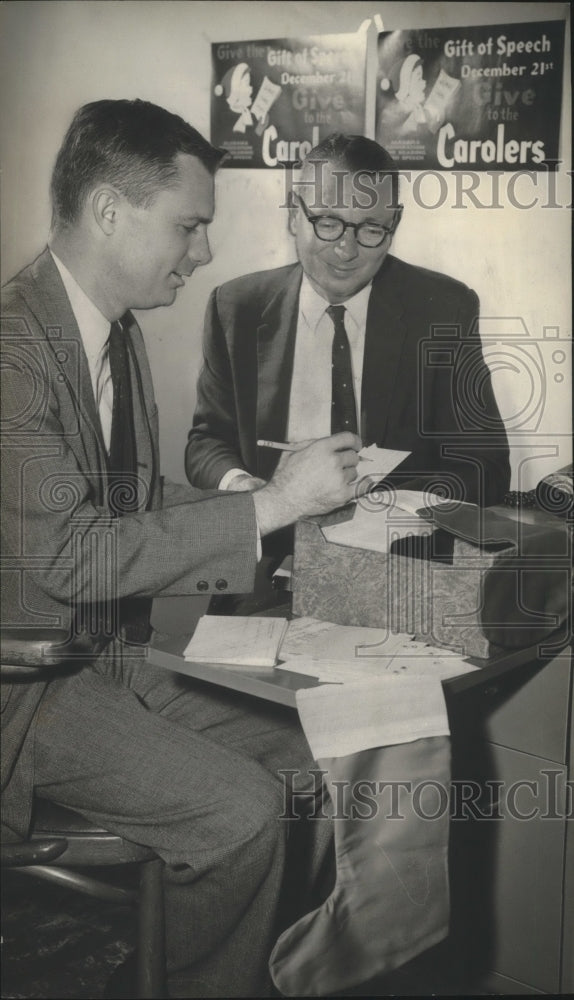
(58, 55)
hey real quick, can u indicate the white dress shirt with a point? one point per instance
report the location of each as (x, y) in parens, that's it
(311, 385)
(94, 330)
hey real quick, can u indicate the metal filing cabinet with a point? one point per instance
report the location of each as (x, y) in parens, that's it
(513, 874)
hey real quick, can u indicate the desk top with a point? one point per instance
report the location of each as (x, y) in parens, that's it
(280, 686)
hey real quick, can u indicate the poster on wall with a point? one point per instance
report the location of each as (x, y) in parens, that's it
(479, 98)
(273, 100)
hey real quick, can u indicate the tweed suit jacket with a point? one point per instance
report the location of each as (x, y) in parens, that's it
(425, 386)
(67, 561)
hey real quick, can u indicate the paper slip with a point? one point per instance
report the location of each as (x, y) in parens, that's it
(347, 671)
(375, 526)
(239, 641)
(378, 462)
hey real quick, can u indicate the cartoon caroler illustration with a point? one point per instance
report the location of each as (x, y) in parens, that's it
(409, 86)
(412, 109)
(236, 85)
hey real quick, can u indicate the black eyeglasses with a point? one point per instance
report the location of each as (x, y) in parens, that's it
(330, 228)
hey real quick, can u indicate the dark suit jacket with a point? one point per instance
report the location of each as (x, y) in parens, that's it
(425, 387)
(65, 560)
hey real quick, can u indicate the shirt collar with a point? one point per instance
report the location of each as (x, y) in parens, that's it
(93, 326)
(313, 306)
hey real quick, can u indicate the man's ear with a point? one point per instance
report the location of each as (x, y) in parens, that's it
(104, 206)
(398, 217)
(293, 219)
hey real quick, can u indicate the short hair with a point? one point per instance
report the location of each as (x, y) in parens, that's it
(358, 155)
(130, 144)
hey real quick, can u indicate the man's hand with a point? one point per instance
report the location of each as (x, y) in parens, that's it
(314, 480)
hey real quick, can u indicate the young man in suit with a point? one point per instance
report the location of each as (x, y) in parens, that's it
(416, 377)
(91, 534)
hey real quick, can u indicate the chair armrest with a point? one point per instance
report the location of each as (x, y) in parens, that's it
(39, 852)
(26, 649)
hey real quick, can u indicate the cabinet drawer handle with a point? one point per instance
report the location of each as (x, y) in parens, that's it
(491, 690)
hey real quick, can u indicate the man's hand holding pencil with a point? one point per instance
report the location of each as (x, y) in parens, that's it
(316, 477)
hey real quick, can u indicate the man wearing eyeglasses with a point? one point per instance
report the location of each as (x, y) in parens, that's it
(349, 338)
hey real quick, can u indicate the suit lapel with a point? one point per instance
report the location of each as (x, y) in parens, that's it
(384, 343)
(50, 304)
(275, 352)
(48, 300)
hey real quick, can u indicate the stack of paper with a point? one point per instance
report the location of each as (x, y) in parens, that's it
(239, 641)
(339, 654)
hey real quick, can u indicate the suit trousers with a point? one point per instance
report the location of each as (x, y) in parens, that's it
(193, 773)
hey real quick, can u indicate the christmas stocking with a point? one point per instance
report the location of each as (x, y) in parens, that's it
(385, 748)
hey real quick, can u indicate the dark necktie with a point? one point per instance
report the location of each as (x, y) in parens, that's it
(343, 408)
(123, 467)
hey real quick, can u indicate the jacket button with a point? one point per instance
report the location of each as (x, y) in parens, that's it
(221, 584)
(202, 585)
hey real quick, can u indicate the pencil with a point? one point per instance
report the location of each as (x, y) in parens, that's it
(284, 446)
(294, 446)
